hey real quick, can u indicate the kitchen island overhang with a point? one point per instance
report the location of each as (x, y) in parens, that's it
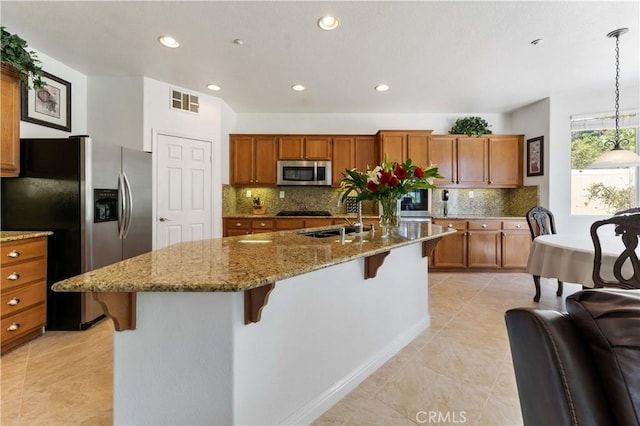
(192, 359)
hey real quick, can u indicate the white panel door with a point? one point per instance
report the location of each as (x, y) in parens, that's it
(184, 190)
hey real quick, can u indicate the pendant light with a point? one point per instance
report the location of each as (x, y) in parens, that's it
(618, 157)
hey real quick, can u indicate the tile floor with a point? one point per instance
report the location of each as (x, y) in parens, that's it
(457, 372)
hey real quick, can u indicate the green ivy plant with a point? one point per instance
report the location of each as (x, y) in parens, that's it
(14, 53)
(470, 126)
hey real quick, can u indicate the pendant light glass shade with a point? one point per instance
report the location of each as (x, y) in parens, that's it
(618, 157)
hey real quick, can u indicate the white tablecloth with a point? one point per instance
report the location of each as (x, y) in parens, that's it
(569, 258)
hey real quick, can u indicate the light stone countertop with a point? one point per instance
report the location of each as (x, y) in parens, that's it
(6, 236)
(476, 217)
(236, 263)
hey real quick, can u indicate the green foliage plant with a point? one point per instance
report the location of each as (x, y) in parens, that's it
(15, 53)
(470, 126)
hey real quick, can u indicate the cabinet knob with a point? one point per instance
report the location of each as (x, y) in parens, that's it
(518, 225)
(484, 225)
(14, 301)
(449, 226)
(238, 224)
(13, 276)
(262, 224)
(14, 326)
(13, 253)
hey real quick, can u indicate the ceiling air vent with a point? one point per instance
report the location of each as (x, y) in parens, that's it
(184, 101)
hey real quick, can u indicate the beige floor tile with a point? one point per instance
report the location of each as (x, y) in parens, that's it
(501, 412)
(10, 411)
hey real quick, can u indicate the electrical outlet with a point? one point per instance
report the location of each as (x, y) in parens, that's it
(248, 195)
(470, 194)
(281, 194)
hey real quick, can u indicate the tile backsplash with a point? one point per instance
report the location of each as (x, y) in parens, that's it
(487, 202)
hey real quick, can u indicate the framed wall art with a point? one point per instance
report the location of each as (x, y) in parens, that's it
(535, 157)
(48, 106)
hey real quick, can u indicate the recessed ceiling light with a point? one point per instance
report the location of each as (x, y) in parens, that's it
(536, 41)
(213, 87)
(238, 41)
(328, 23)
(168, 41)
(382, 87)
(298, 87)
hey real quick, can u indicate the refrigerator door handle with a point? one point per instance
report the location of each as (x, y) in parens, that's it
(122, 214)
(129, 206)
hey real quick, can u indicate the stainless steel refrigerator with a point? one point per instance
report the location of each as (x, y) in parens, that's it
(95, 198)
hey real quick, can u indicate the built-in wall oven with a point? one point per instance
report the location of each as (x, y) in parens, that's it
(304, 173)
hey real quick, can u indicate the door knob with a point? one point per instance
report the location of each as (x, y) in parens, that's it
(164, 219)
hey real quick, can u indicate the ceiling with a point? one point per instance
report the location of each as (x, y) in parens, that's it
(437, 57)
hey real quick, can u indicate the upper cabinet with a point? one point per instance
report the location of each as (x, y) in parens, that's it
(253, 160)
(10, 123)
(398, 145)
(350, 152)
(492, 161)
(297, 147)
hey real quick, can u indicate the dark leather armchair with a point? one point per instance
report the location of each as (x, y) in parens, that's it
(541, 222)
(581, 367)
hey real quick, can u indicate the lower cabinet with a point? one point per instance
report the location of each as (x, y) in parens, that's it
(244, 226)
(483, 244)
(23, 291)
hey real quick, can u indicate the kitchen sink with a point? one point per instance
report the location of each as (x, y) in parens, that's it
(325, 233)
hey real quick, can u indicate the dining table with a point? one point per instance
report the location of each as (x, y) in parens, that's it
(569, 257)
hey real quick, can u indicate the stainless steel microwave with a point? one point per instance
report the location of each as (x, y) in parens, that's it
(304, 173)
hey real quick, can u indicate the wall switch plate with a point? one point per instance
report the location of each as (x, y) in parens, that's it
(281, 194)
(248, 195)
(470, 194)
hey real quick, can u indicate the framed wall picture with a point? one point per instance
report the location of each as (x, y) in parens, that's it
(535, 157)
(48, 106)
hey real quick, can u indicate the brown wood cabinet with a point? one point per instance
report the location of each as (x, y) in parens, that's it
(350, 152)
(243, 226)
(398, 145)
(253, 160)
(299, 147)
(9, 122)
(516, 244)
(442, 152)
(493, 161)
(23, 290)
(482, 244)
(451, 251)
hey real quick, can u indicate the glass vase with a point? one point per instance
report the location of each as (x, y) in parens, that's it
(388, 215)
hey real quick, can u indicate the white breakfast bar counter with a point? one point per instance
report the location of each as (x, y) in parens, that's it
(269, 328)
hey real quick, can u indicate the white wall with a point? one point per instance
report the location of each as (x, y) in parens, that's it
(359, 123)
(562, 107)
(78, 102)
(533, 121)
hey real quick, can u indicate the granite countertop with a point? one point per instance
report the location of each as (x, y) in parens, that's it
(273, 216)
(229, 264)
(6, 236)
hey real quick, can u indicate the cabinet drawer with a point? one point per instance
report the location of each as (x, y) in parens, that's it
(484, 225)
(515, 225)
(15, 326)
(257, 224)
(15, 275)
(459, 225)
(21, 298)
(19, 251)
(289, 223)
(238, 223)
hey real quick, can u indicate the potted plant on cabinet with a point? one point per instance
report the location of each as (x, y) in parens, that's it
(16, 57)
(470, 126)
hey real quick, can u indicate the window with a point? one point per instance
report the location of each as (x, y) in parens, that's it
(601, 191)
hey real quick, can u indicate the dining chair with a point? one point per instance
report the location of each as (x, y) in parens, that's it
(628, 211)
(541, 222)
(627, 227)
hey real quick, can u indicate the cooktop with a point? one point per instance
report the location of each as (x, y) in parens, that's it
(303, 213)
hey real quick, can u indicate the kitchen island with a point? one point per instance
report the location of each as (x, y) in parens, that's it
(267, 328)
